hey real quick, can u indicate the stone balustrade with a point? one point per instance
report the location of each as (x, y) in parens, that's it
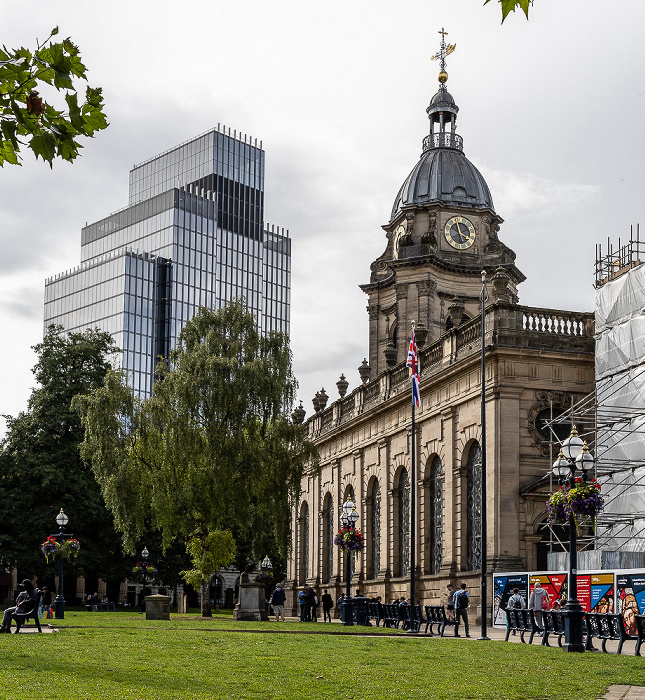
(507, 325)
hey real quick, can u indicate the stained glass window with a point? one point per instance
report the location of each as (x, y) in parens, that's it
(404, 523)
(375, 528)
(329, 539)
(474, 507)
(435, 526)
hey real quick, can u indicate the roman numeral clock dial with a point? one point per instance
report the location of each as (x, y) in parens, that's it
(459, 232)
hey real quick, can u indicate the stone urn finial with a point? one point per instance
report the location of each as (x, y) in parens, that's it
(298, 416)
(420, 334)
(456, 311)
(316, 402)
(323, 398)
(390, 354)
(342, 385)
(364, 371)
(500, 281)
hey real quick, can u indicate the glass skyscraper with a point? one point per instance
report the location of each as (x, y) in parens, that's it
(192, 235)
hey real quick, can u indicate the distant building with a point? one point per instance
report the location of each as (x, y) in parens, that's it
(192, 235)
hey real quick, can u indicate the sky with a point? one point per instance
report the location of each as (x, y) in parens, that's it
(551, 113)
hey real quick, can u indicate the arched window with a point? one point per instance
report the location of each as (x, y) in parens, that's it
(304, 543)
(434, 528)
(328, 539)
(474, 507)
(404, 523)
(375, 530)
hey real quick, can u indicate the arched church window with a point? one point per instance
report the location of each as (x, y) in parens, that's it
(304, 543)
(328, 539)
(404, 523)
(375, 530)
(435, 526)
(474, 507)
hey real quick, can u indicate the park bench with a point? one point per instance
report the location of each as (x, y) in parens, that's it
(553, 624)
(21, 618)
(521, 620)
(375, 611)
(390, 615)
(608, 627)
(436, 615)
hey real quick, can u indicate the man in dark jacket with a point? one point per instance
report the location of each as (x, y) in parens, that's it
(328, 604)
(25, 603)
(277, 601)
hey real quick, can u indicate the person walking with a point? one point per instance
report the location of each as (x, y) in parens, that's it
(301, 602)
(314, 606)
(327, 603)
(462, 600)
(450, 605)
(538, 602)
(515, 602)
(277, 600)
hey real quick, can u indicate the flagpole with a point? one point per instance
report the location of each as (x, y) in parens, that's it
(413, 509)
(484, 545)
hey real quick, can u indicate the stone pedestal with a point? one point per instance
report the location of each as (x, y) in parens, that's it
(157, 607)
(251, 601)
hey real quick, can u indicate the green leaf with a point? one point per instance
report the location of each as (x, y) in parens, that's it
(509, 6)
(44, 145)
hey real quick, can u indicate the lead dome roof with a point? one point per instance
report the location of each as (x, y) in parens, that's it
(443, 174)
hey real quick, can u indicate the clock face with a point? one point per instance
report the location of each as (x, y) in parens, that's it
(399, 232)
(459, 232)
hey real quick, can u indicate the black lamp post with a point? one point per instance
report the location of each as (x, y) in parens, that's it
(144, 555)
(59, 602)
(574, 453)
(348, 519)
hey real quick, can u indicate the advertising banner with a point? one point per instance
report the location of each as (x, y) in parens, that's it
(596, 592)
(555, 584)
(503, 589)
(630, 597)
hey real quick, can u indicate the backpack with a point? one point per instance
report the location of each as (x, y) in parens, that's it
(517, 603)
(462, 600)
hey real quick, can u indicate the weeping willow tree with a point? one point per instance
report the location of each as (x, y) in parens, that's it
(211, 452)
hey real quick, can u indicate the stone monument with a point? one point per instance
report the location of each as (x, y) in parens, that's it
(250, 601)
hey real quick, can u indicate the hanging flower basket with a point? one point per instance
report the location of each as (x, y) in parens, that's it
(150, 569)
(265, 578)
(350, 539)
(70, 548)
(50, 548)
(581, 500)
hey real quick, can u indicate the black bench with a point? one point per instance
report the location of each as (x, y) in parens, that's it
(375, 611)
(553, 625)
(608, 627)
(21, 618)
(390, 615)
(436, 615)
(640, 626)
(521, 620)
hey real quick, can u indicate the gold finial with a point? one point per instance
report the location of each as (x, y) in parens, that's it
(444, 50)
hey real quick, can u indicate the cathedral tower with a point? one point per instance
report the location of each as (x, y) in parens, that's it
(442, 233)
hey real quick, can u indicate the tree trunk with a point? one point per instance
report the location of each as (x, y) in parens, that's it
(206, 599)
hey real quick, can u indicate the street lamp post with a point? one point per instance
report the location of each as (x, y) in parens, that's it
(144, 555)
(59, 603)
(574, 453)
(348, 518)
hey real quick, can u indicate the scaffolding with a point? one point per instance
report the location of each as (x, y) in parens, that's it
(612, 418)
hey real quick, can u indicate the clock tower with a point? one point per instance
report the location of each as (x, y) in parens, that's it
(443, 231)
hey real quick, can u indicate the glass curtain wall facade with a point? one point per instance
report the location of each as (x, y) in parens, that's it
(193, 235)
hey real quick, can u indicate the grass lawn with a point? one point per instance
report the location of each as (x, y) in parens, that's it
(125, 657)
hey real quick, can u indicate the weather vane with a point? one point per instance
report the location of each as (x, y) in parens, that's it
(444, 50)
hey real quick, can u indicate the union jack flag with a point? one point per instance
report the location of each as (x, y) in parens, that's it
(413, 364)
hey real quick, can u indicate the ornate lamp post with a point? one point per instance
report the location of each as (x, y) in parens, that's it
(574, 454)
(59, 603)
(266, 564)
(144, 555)
(348, 518)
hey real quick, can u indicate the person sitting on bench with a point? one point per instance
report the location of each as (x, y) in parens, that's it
(25, 603)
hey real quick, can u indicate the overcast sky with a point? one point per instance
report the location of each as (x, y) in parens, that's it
(551, 112)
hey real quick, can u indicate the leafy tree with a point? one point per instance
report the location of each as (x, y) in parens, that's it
(212, 452)
(41, 469)
(509, 6)
(26, 118)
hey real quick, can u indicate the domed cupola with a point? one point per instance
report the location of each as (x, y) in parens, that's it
(443, 174)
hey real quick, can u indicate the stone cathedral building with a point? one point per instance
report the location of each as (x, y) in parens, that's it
(443, 231)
